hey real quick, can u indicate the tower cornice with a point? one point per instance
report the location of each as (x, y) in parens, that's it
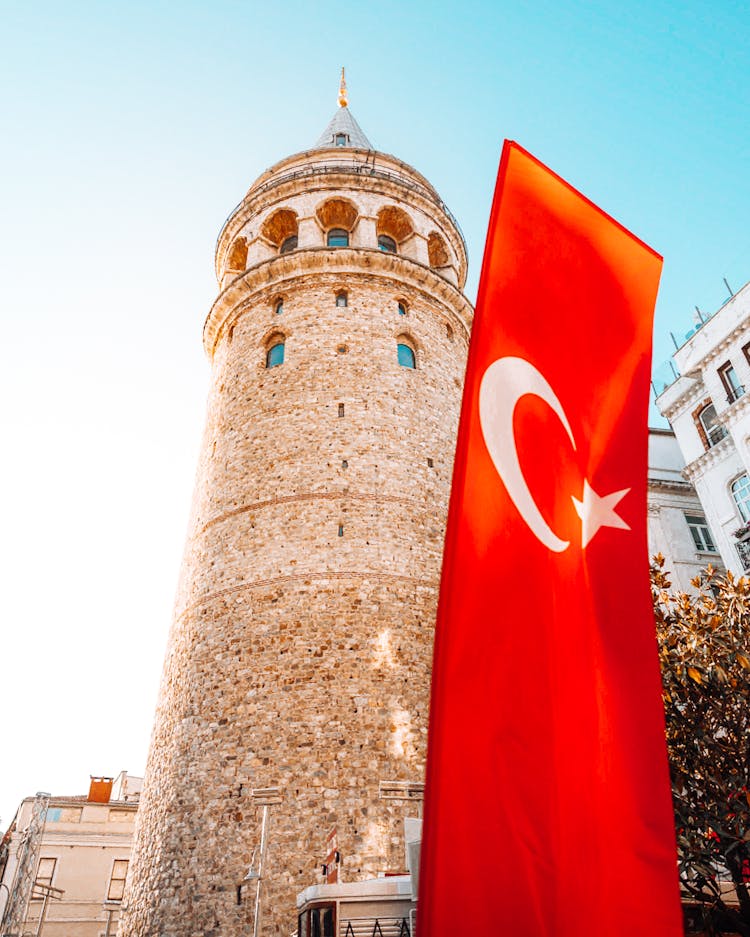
(280, 271)
(330, 169)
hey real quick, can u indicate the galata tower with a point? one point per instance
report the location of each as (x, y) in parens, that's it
(300, 653)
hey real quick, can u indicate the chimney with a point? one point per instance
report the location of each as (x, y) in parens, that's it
(100, 790)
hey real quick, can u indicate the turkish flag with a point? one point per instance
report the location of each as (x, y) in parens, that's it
(548, 809)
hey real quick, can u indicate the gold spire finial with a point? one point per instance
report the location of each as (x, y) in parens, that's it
(343, 97)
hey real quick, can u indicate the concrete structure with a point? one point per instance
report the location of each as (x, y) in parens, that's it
(298, 667)
(384, 906)
(677, 525)
(84, 852)
(710, 413)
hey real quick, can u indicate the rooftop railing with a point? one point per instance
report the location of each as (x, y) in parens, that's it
(354, 169)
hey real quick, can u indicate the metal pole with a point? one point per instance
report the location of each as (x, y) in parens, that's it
(263, 840)
(42, 915)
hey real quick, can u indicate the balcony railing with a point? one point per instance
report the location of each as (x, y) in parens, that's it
(377, 927)
(716, 433)
(743, 551)
(734, 393)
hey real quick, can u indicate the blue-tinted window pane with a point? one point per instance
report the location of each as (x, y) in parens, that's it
(340, 139)
(337, 237)
(289, 244)
(406, 356)
(401, 309)
(275, 355)
(53, 814)
(386, 244)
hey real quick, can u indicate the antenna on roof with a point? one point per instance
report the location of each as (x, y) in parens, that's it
(731, 292)
(343, 96)
(698, 316)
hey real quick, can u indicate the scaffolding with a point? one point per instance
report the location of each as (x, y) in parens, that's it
(23, 881)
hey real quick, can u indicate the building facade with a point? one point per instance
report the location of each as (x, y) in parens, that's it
(296, 681)
(709, 412)
(78, 864)
(677, 524)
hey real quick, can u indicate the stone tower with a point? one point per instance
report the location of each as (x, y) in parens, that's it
(300, 653)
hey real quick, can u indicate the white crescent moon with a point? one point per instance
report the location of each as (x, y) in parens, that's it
(504, 383)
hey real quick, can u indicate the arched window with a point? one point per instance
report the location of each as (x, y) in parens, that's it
(342, 299)
(402, 309)
(338, 237)
(289, 244)
(275, 355)
(713, 430)
(406, 357)
(386, 244)
(741, 495)
(278, 307)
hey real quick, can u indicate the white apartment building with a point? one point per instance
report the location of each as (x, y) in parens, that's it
(677, 526)
(709, 412)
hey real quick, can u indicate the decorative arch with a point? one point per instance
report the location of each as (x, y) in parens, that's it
(437, 251)
(237, 257)
(337, 213)
(279, 227)
(406, 350)
(393, 222)
(274, 345)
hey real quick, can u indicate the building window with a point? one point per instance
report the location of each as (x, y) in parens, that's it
(386, 244)
(44, 874)
(341, 530)
(341, 299)
(117, 880)
(275, 355)
(402, 309)
(700, 533)
(731, 382)
(406, 357)
(279, 307)
(64, 815)
(341, 409)
(288, 244)
(338, 237)
(341, 139)
(714, 431)
(741, 495)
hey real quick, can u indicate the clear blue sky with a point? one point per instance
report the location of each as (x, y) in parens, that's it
(131, 130)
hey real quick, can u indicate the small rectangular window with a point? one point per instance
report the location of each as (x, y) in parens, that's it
(701, 534)
(117, 880)
(341, 409)
(44, 874)
(731, 382)
(64, 815)
(430, 463)
(341, 530)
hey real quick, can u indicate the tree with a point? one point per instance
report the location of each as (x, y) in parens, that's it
(704, 648)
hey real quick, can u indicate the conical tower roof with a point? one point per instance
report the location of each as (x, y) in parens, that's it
(343, 129)
(343, 124)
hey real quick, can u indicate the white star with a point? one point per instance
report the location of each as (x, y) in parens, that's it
(598, 511)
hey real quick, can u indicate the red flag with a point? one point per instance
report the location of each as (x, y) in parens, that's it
(548, 810)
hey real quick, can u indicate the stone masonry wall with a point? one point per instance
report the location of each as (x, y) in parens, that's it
(301, 648)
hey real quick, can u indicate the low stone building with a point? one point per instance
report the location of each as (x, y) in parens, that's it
(77, 860)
